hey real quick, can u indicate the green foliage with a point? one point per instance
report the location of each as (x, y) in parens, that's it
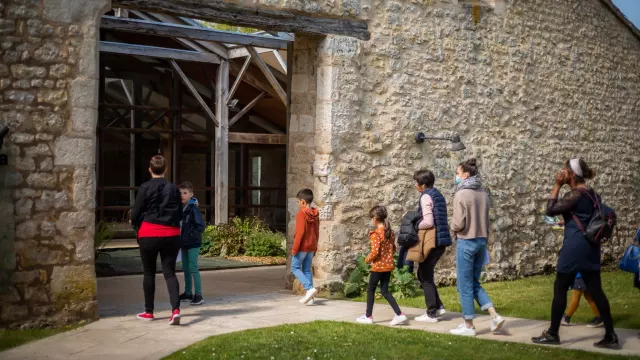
(239, 236)
(231, 28)
(403, 283)
(265, 243)
(103, 235)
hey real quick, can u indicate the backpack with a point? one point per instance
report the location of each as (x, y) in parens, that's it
(601, 224)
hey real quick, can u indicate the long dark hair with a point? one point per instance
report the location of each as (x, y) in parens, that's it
(379, 213)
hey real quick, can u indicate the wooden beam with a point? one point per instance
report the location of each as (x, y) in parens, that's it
(241, 51)
(246, 109)
(265, 124)
(157, 52)
(252, 79)
(189, 32)
(236, 84)
(194, 92)
(222, 145)
(257, 60)
(269, 139)
(251, 16)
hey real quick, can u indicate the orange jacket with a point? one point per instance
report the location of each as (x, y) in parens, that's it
(307, 232)
(382, 250)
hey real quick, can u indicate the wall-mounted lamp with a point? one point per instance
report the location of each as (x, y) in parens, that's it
(456, 144)
(3, 132)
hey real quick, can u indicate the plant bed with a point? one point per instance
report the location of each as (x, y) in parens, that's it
(264, 260)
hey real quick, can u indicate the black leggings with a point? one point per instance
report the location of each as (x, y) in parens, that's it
(383, 278)
(594, 287)
(426, 270)
(168, 248)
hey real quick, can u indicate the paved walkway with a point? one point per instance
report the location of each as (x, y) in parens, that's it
(120, 335)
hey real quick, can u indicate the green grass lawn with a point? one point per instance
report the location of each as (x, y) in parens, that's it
(339, 340)
(13, 338)
(531, 297)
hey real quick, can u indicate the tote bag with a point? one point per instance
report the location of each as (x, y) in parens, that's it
(631, 258)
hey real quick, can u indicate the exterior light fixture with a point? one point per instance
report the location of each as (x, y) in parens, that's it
(233, 103)
(456, 144)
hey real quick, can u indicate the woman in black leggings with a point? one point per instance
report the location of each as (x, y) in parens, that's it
(577, 253)
(156, 216)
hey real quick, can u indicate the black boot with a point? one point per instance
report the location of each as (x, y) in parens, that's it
(547, 338)
(610, 341)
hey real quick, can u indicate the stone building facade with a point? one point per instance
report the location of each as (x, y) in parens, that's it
(526, 84)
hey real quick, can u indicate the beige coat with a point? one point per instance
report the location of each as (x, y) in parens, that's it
(426, 242)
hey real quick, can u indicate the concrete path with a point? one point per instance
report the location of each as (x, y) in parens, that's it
(120, 335)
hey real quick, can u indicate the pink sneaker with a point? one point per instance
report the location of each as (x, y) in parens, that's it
(175, 318)
(145, 316)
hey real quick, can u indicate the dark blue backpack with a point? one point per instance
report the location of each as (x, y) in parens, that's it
(601, 225)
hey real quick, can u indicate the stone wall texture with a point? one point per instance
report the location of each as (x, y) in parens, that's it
(529, 85)
(48, 98)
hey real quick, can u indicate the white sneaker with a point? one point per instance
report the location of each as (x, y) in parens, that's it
(426, 318)
(496, 323)
(398, 319)
(311, 293)
(463, 330)
(365, 320)
(311, 302)
(441, 311)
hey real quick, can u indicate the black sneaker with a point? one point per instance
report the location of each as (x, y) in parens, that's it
(597, 322)
(610, 341)
(566, 320)
(184, 297)
(197, 300)
(546, 339)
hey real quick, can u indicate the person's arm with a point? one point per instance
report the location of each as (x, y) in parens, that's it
(199, 222)
(459, 215)
(426, 203)
(557, 206)
(375, 242)
(138, 206)
(299, 234)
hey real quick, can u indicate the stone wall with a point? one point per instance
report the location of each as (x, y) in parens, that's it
(48, 98)
(526, 88)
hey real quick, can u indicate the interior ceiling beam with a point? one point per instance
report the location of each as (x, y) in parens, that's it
(189, 32)
(194, 92)
(236, 84)
(247, 138)
(157, 52)
(257, 60)
(246, 109)
(234, 14)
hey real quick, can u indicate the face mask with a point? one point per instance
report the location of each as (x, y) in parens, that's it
(458, 180)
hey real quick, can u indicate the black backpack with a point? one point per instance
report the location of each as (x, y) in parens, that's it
(601, 224)
(408, 235)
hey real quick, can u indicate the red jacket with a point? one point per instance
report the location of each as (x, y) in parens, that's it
(307, 232)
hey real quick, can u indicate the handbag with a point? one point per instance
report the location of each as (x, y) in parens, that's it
(631, 258)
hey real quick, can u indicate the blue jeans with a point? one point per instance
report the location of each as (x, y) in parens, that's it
(470, 257)
(301, 268)
(402, 259)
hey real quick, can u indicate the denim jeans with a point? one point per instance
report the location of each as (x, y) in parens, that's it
(470, 257)
(301, 268)
(402, 259)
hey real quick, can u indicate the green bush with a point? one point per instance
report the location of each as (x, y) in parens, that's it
(265, 243)
(403, 283)
(102, 236)
(248, 236)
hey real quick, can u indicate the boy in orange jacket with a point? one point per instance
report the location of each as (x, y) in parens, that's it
(305, 243)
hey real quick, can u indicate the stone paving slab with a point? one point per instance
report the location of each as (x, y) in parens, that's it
(120, 335)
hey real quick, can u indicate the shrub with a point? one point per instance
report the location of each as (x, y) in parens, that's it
(103, 235)
(403, 283)
(265, 243)
(241, 237)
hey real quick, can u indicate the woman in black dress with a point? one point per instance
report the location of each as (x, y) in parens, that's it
(577, 253)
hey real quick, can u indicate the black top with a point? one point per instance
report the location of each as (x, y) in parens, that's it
(157, 202)
(577, 253)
